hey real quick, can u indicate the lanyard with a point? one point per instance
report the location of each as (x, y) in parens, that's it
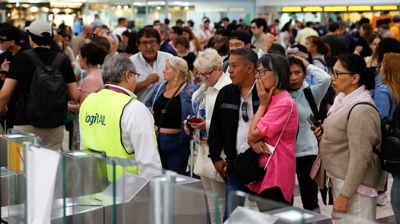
(116, 89)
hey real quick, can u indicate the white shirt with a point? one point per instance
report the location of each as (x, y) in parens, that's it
(137, 124)
(119, 30)
(203, 34)
(145, 69)
(243, 127)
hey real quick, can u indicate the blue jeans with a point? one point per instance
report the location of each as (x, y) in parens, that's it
(233, 185)
(395, 197)
(174, 154)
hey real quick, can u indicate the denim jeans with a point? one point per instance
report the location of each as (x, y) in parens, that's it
(395, 197)
(174, 154)
(233, 185)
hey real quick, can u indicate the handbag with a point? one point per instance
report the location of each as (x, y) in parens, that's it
(246, 167)
(204, 167)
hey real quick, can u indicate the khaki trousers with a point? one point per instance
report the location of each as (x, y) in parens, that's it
(51, 137)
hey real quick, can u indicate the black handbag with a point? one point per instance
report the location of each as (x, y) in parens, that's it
(246, 168)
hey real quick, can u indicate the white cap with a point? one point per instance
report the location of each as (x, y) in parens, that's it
(38, 27)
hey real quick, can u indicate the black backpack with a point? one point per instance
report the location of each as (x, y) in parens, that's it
(46, 104)
(389, 155)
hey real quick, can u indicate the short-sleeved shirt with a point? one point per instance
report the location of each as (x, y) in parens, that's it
(22, 70)
(365, 51)
(92, 83)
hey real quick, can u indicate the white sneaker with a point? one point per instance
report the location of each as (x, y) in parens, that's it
(381, 200)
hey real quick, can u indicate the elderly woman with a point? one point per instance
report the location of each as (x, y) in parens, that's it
(306, 144)
(391, 77)
(209, 69)
(171, 104)
(275, 122)
(347, 142)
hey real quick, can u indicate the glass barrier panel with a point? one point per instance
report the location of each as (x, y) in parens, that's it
(89, 187)
(181, 199)
(134, 190)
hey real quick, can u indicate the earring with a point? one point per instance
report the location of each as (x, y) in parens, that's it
(176, 78)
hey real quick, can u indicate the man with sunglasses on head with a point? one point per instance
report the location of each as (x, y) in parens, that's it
(234, 107)
(149, 62)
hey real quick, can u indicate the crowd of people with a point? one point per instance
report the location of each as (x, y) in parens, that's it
(141, 97)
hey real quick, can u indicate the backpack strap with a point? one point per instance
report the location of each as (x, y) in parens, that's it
(34, 57)
(366, 103)
(57, 62)
(311, 101)
(320, 60)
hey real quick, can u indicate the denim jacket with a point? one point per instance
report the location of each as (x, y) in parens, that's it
(383, 98)
(186, 103)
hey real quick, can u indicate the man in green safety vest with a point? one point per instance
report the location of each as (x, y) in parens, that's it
(115, 122)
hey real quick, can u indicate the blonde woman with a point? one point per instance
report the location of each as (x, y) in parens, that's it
(209, 69)
(171, 104)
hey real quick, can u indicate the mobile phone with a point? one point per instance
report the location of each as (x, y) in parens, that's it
(194, 120)
(313, 121)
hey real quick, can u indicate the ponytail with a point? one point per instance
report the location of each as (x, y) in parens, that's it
(326, 50)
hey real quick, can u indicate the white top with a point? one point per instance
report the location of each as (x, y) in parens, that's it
(145, 69)
(137, 124)
(304, 33)
(212, 93)
(203, 34)
(243, 127)
(119, 30)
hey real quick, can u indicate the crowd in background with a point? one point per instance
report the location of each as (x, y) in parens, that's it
(247, 85)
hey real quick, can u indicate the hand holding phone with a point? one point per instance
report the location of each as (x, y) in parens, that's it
(311, 119)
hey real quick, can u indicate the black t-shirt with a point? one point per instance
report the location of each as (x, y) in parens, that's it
(22, 69)
(172, 116)
(365, 51)
(190, 58)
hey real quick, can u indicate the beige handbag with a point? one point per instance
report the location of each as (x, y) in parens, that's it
(204, 167)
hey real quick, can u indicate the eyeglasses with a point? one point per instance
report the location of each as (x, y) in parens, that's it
(145, 43)
(2, 40)
(244, 112)
(137, 75)
(205, 74)
(91, 35)
(261, 71)
(336, 74)
(253, 27)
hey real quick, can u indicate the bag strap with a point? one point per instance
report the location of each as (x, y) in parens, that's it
(154, 100)
(348, 116)
(310, 98)
(320, 60)
(166, 105)
(57, 62)
(284, 127)
(34, 58)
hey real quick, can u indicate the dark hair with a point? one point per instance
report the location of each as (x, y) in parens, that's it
(182, 41)
(277, 49)
(364, 20)
(261, 22)
(368, 31)
(225, 19)
(178, 30)
(276, 20)
(309, 24)
(12, 33)
(286, 26)
(126, 33)
(190, 22)
(67, 35)
(323, 48)
(279, 66)
(148, 32)
(46, 40)
(121, 20)
(95, 55)
(387, 45)
(355, 64)
(375, 37)
(303, 49)
(295, 61)
(166, 21)
(247, 54)
(102, 42)
(132, 48)
(333, 27)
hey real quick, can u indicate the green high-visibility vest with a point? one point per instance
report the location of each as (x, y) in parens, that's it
(100, 121)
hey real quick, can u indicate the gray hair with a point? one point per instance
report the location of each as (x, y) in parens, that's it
(208, 58)
(114, 68)
(247, 54)
(165, 30)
